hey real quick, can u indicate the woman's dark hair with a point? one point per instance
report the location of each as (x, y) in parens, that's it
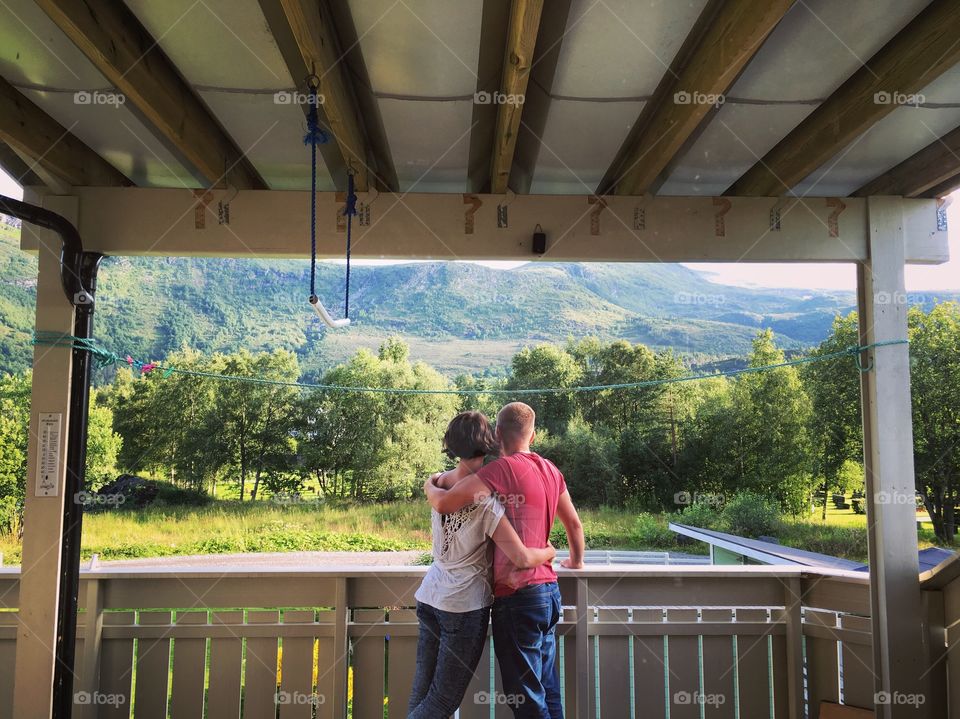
(469, 435)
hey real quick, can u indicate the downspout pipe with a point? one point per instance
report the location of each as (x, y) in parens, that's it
(78, 275)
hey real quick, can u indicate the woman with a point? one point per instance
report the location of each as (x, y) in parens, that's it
(453, 602)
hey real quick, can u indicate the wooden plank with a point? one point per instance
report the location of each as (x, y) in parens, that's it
(296, 696)
(792, 616)
(910, 61)
(524, 25)
(401, 664)
(226, 667)
(649, 667)
(330, 659)
(614, 665)
(116, 669)
(8, 655)
(568, 641)
(735, 32)
(147, 221)
(823, 671)
(898, 632)
(153, 669)
(88, 672)
(337, 699)
(36, 135)
(114, 40)
(857, 660)
(312, 26)
(22, 171)
(189, 669)
(585, 708)
(367, 657)
(753, 672)
(829, 710)
(260, 670)
(923, 171)
(782, 701)
(684, 663)
(719, 660)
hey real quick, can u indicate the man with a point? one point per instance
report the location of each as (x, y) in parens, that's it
(526, 604)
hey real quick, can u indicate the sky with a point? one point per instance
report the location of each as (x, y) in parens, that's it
(803, 276)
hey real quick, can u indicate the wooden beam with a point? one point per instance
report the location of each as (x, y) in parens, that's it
(923, 171)
(311, 23)
(33, 134)
(148, 221)
(518, 59)
(911, 60)
(15, 166)
(494, 24)
(944, 188)
(110, 35)
(721, 44)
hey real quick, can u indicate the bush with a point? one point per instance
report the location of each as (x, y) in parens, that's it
(751, 515)
(700, 514)
(174, 496)
(652, 531)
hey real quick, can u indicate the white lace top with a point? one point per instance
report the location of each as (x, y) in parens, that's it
(460, 578)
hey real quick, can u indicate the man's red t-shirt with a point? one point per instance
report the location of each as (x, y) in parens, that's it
(529, 488)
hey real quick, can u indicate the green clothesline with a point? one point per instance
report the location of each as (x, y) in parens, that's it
(105, 358)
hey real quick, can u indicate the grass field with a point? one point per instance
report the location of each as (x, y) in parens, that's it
(265, 526)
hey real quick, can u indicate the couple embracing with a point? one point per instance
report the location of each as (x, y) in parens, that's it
(491, 550)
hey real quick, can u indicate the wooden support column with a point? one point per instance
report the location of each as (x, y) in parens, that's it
(897, 617)
(43, 515)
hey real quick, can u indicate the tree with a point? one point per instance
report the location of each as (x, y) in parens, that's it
(547, 366)
(14, 419)
(935, 377)
(103, 447)
(836, 429)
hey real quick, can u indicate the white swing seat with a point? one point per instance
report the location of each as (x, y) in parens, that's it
(325, 316)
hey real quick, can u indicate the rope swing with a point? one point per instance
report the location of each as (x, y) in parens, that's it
(314, 136)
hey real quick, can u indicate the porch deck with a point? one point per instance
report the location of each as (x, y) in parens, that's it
(635, 642)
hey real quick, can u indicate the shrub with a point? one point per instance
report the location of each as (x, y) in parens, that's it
(700, 514)
(750, 514)
(652, 531)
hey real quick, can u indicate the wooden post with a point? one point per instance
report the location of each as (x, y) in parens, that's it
(585, 694)
(341, 649)
(92, 635)
(888, 462)
(794, 619)
(43, 511)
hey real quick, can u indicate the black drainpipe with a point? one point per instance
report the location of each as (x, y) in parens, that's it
(78, 274)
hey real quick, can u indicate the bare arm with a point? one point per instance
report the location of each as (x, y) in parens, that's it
(567, 514)
(467, 491)
(522, 556)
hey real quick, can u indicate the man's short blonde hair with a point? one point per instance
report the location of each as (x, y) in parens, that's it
(516, 421)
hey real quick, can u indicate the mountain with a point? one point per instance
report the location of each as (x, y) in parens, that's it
(458, 317)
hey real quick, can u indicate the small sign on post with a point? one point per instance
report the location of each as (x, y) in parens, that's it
(48, 458)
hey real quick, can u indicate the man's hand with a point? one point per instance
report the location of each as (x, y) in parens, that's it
(569, 564)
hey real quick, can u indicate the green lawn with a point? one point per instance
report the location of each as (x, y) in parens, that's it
(226, 526)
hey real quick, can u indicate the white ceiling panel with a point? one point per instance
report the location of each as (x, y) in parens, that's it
(579, 142)
(422, 48)
(621, 48)
(430, 143)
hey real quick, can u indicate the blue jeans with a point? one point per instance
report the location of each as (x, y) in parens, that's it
(448, 650)
(525, 639)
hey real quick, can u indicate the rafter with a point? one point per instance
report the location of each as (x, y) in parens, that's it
(725, 38)
(923, 171)
(524, 26)
(311, 24)
(33, 134)
(115, 41)
(915, 57)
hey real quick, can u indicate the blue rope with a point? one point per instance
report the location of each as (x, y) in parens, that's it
(315, 136)
(350, 210)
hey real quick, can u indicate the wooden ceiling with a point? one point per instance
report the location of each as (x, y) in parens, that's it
(521, 53)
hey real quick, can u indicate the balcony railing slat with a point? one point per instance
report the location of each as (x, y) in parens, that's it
(189, 668)
(401, 663)
(153, 669)
(857, 658)
(823, 672)
(116, 669)
(8, 657)
(614, 659)
(226, 660)
(296, 697)
(718, 666)
(369, 651)
(683, 660)
(753, 665)
(260, 670)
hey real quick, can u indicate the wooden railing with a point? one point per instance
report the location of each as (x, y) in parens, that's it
(190, 643)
